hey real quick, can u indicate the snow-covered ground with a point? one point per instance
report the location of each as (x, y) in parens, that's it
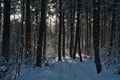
(68, 69)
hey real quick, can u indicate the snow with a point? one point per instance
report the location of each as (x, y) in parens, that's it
(3, 68)
(68, 69)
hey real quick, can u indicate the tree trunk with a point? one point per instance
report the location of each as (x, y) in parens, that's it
(87, 30)
(102, 36)
(72, 16)
(77, 35)
(79, 42)
(60, 30)
(0, 19)
(6, 30)
(63, 29)
(28, 30)
(44, 44)
(113, 28)
(22, 28)
(96, 30)
(41, 33)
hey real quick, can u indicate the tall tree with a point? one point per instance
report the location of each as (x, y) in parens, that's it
(0, 18)
(60, 30)
(72, 16)
(118, 20)
(77, 35)
(22, 26)
(41, 33)
(6, 30)
(117, 32)
(63, 30)
(44, 44)
(87, 31)
(79, 29)
(44, 39)
(28, 29)
(96, 30)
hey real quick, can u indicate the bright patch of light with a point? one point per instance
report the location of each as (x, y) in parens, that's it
(15, 17)
(52, 21)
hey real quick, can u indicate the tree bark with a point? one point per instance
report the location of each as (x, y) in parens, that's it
(63, 30)
(6, 30)
(96, 30)
(77, 35)
(28, 30)
(60, 30)
(0, 19)
(41, 34)
(22, 27)
(72, 16)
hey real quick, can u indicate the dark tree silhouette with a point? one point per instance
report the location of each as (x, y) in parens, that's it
(96, 30)
(41, 33)
(77, 35)
(60, 30)
(22, 27)
(72, 16)
(28, 30)
(63, 32)
(6, 30)
(0, 17)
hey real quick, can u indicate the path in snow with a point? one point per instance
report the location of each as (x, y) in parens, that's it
(68, 69)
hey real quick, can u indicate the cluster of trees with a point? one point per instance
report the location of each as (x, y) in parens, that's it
(28, 28)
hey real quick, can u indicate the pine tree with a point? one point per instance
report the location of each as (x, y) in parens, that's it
(77, 35)
(72, 20)
(60, 30)
(28, 30)
(96, 30)
(22, 26)
(41, 34)
(63, 32)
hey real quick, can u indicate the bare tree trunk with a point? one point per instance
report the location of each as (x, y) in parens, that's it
(41, 34)
(79, 42)
(63, 30)
(6, 30)
(112, 39)
(60, 31)
(87, 30)
(22, 27)
(0, 19)
(72, 16)
(77, 35)
(28, 30)
(44, 44)
(96, 30)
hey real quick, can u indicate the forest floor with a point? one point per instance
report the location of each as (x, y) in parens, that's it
(68, 69)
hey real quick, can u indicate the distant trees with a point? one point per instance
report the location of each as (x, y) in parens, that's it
(114, 47)
(60, 27)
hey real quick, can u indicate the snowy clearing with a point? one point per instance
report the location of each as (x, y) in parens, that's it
(67, 69)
